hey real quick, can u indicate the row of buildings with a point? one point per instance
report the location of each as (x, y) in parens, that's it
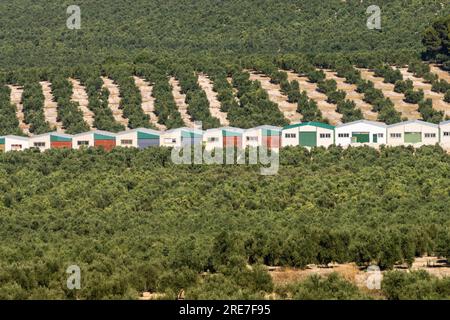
(307, 134)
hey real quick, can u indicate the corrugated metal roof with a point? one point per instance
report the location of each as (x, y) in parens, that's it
(11, 136)
(145, 130)
(414, 121)
(54, 133)
(443, 123)
(310, 123)
(268, 127)
(106, 133)
(373, 123)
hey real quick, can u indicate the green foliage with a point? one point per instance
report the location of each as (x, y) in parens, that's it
(68, 112)
(436, 40)
(332, 287)
(8, 121)
(401, 86)
(349, 111)
(416, 285)
(309, 109)
(412, 96)
(447, 96)
(33, 108)
(428, 113)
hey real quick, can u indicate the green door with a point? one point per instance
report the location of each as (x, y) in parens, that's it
(413, 137)
(375, 138)
(308, 139)
(361, 137)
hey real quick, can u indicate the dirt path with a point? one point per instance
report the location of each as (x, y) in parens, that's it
(355, 274)
(50, 106)
(408, 110)
(16, 100)
(442, 74)
(214, 104)
(352, 94)
(419, 83)
(80, 96)
(328, 109)
(114, 101)
(235, 91)
(288, 109)
(148, 101)
(180, 100)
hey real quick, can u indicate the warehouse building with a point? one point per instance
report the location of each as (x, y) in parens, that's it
(13, 143)
(224, 137)
(181, 137)
(308, 134)
(138, 138)
(265, 136)
(361, 132)
(97, 138)
(444, 128)
(52, 140)
(413, 132)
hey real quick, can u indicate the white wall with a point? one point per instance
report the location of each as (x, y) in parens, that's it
(85, 137)
(445, 139)
(252, 133)
(359, 127)
(10, 142)
(412, 127)
(127, 136)
(45, 139)
(166, 139)
(213, 134)
(294, 141)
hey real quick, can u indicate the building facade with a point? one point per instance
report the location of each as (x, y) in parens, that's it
(308, 134)
(414, 132)
(360, 132)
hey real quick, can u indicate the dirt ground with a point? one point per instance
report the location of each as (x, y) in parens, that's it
(148, 101)
(419, 83)
(442, 74)
(16, 99)
(114, 101)
(50, 106)
(328, 110)
(351, 272)
(80, 96)
(214, 104)
(180, 100)
(288, 109)
(408, 110)
(352, 94)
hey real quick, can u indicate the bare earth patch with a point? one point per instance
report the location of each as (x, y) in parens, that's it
(442, 74)
(180, 100)
(419, 83)
(352, 94)
(328, 109)
(114, 101)
(408, 110)
(214, 104)
(80, 96)
(50, 107)
(148, 101)
(288, 109)
(16, 99)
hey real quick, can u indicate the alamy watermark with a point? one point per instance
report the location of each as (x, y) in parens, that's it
(234, 154)
(374, 20)
(74, 279)
(74, 20)
(375, 278)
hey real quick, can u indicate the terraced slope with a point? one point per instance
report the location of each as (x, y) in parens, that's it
(352, 94)
(288, 109)
(408, 110)
(214, 104)
(442, 74)
(50, 106)
(419, 83)
(180, 100)
(16, 99)
(80, 96)
(148, 101)
(328, 110)
(114, 101)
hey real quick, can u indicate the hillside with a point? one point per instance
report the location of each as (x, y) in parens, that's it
(35, 34)
(135, 222)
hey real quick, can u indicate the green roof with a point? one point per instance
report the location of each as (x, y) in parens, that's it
(98, 136)
(57, 138)
(310, 123)
(2, 140)
(145, 135)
